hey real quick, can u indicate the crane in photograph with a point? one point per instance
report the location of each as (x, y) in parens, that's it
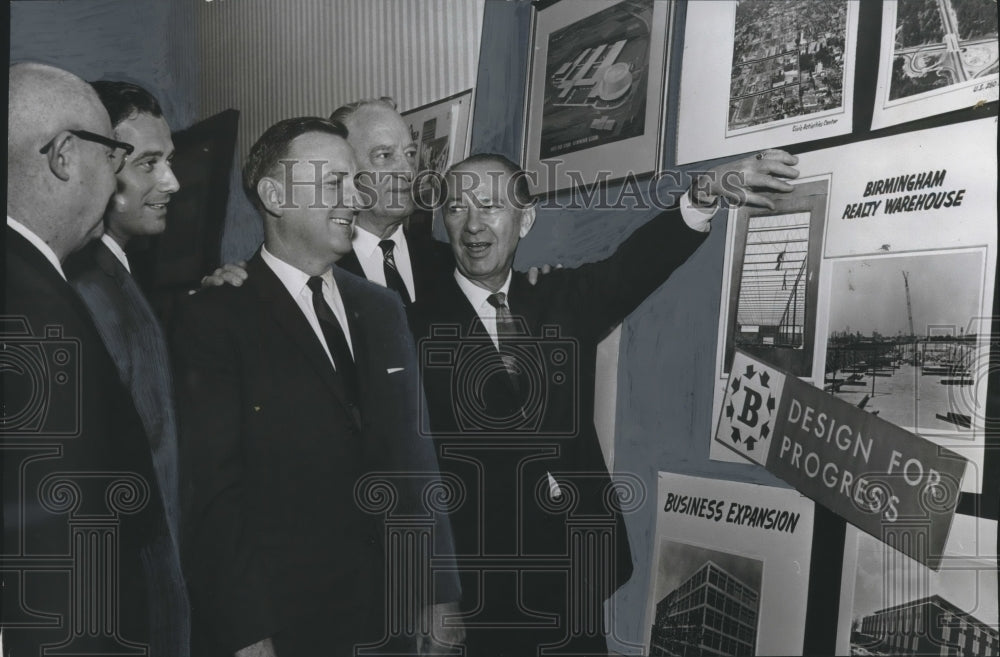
(909, 306)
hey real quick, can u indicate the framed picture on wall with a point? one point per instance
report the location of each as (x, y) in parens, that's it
(595, 97)
(934, 58)
(441, 131)
(760, 74)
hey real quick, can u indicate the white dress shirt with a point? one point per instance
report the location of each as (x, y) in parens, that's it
(478, 296)
(37, 242)
(116, 249)
(371, 258)
(297, 284)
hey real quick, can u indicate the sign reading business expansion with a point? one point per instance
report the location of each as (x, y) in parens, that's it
(882, 479)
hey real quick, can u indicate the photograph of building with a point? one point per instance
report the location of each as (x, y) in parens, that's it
(903, 342)
(788, 60)
(941, 43)
(596, 79)
(928, 626)
(712, 612)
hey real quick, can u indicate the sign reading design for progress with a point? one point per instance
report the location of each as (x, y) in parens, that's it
(898, 487)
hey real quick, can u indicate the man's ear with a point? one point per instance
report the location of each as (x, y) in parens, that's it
(62, 154)
(272, 195)
(527, 220)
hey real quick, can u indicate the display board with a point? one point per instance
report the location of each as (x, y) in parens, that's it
(874, 281)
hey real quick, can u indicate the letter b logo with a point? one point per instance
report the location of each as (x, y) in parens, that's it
(752, 401)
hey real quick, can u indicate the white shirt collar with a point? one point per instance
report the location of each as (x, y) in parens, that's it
(295, 280)
(116, 250)
(37, 242)
(366, 243)
(477, 295)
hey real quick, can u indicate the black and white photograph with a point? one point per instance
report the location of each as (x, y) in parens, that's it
(903, 340)
(441, 132)
(360, 328)
(773, 286)
(936, 56)
(597, 75)
(596, 89)
(711, 602)
(730, 568)
(788, 60)
(761, 72)
(892, 605)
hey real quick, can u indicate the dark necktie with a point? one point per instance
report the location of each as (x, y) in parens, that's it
(393, 280)
(335, 339)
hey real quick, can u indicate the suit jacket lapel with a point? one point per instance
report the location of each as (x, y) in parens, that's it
(287, 314)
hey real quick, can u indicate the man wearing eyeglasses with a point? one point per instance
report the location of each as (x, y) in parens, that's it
(84, 521)
(101, 275)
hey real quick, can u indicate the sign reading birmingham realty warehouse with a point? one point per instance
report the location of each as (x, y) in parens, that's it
(882, 479)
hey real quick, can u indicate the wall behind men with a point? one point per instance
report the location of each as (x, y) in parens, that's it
(147, 42)
(276, 60)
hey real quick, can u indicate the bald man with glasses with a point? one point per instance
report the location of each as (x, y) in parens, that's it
(84, 523)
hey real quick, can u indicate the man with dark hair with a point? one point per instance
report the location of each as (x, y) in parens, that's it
(294, 388)
(84, 505)
(101, 275)
(509, 371)
(387, 249)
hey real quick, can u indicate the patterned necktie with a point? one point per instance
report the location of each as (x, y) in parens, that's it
(335, 340)
(506, 328)
(505, 321)
(393, 280)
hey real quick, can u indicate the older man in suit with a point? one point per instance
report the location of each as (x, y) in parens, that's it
(86, 536)
(101, 274)
(509, 370)
(293, 387)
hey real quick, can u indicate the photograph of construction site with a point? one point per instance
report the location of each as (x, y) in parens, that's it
(596, 79)
(903, 341)
(942, 43)
(774, 281)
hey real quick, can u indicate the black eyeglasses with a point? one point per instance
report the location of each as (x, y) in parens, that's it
(119, 149)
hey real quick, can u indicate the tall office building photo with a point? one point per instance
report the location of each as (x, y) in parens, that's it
(712, 613)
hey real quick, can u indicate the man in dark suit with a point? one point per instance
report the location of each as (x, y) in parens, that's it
(509, 370)
(292, 388)
(85, 533)
(101, 275)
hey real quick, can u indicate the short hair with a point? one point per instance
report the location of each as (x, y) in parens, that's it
(343, 113)
(272, 146)
(124, 100)
(522, 195)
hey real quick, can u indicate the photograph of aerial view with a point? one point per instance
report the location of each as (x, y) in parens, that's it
(941, 43)
(788, 60)
(903, 340)
(596, 79)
